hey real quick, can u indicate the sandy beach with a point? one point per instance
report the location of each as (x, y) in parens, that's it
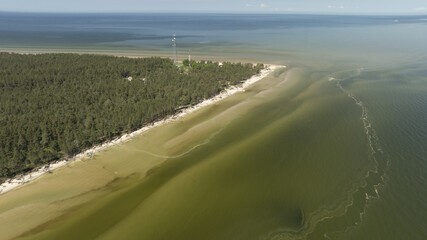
(21, 180)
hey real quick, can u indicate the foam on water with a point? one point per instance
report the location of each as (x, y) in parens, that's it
(369, 187)
(376, 177)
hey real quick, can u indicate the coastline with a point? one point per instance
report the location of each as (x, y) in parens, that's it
(132, 53)
(23, 179)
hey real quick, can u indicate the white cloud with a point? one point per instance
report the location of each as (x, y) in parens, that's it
(248, 5)
(420, 9)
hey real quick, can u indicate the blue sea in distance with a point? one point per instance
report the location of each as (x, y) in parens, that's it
(215, 33)
(363, 77)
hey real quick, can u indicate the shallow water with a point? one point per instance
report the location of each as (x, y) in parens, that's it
(333, 147)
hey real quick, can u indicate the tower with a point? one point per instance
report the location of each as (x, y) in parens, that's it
(189, 55)
(174, 48)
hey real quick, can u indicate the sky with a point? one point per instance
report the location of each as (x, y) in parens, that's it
(219, 6)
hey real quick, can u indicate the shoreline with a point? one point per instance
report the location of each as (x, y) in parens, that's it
(23, 179)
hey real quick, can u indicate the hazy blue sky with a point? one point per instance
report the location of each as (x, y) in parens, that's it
(264, 6)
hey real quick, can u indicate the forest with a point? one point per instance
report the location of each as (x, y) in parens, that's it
(54, 106)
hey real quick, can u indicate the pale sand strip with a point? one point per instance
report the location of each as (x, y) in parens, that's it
(20, 180)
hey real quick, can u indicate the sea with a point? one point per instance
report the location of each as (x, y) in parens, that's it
(332, 147)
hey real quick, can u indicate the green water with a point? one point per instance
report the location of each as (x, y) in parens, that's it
(306, 162)
(333, 147)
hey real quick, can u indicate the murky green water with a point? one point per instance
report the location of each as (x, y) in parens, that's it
(333, 147)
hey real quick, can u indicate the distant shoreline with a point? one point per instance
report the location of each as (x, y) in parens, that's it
(23, 179)
(131, 53)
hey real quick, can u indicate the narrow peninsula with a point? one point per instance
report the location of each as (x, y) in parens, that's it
(55, 106)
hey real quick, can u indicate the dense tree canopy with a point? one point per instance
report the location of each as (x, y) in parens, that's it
(56, 105)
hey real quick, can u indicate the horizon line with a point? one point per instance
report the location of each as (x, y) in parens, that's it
(237, 13)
